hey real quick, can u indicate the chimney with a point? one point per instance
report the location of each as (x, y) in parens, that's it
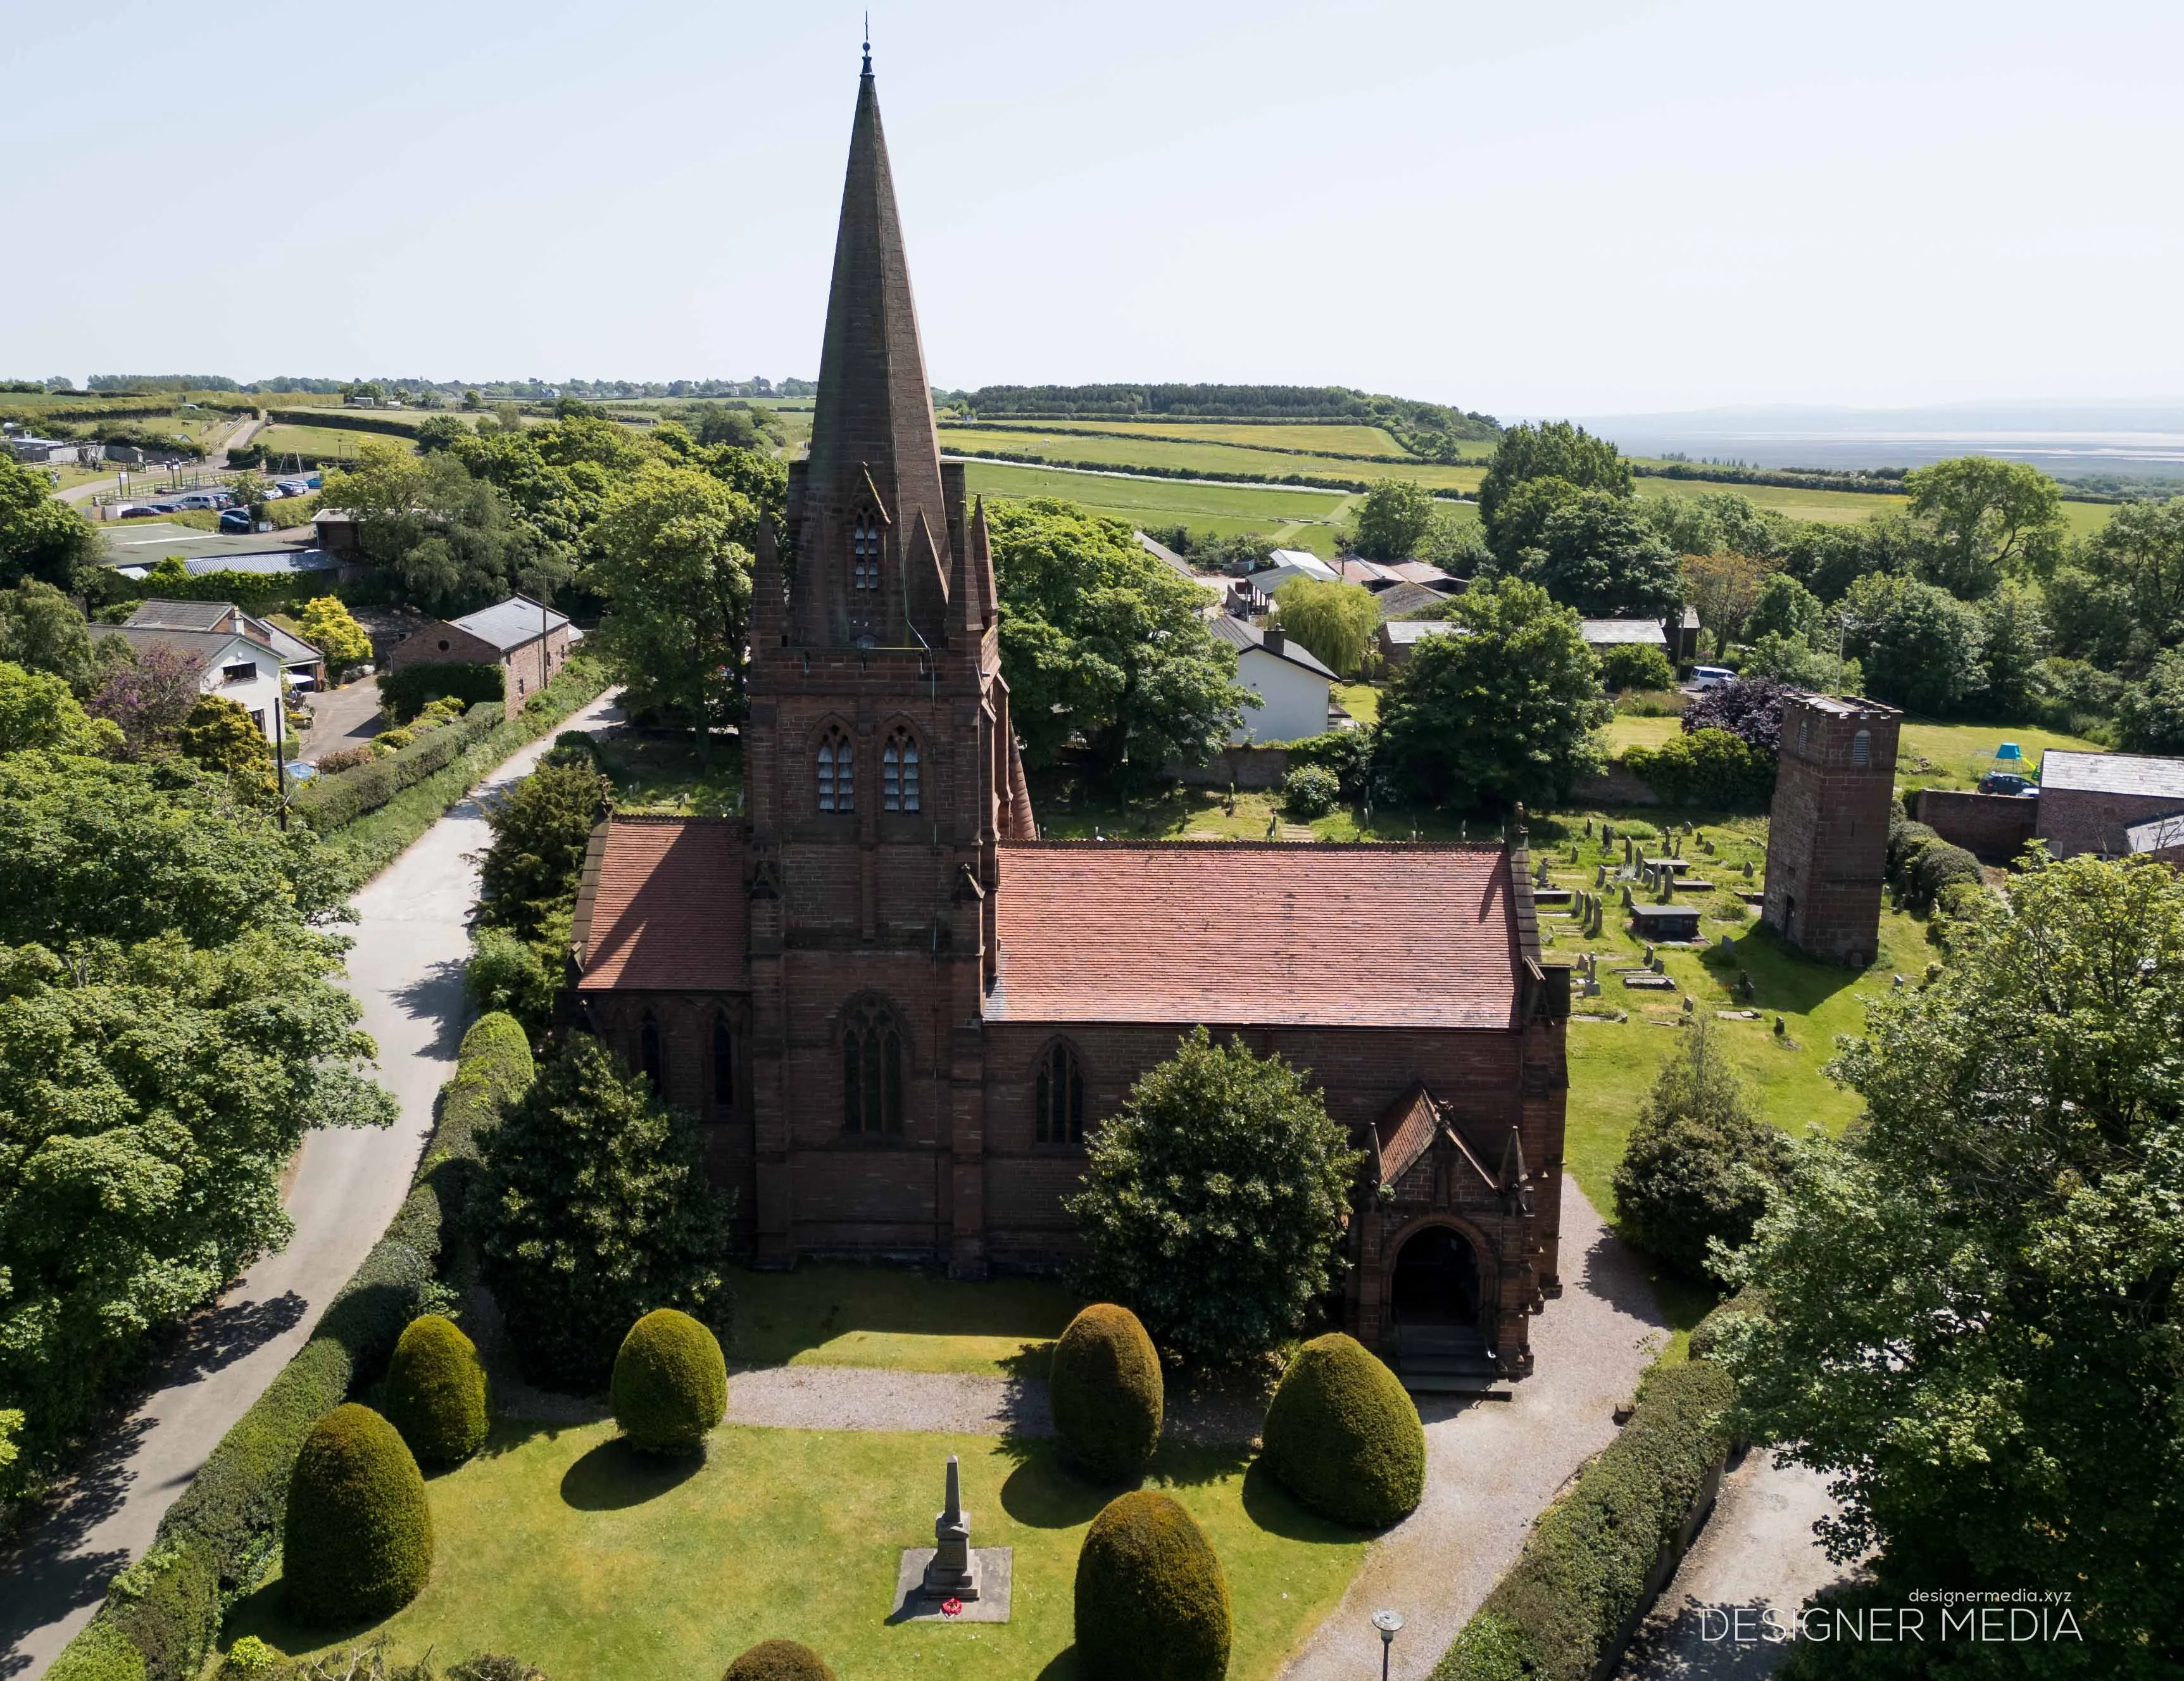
(1275, 641)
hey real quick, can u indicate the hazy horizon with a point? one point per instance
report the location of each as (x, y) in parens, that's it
(1608, 210)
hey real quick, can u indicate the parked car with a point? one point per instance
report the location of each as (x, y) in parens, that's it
(2006, 782)
(236, 519)
(143, 511)
(1712, 676)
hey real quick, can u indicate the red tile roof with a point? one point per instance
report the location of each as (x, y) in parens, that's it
(1356, 936)
(662, 907)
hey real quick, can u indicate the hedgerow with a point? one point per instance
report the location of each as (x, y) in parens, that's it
(326, 802)
(406, 690)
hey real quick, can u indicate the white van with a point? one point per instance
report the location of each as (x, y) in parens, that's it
(1711, 676)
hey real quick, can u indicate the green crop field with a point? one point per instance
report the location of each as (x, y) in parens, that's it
(1296, 518)
(1332, 436)
(324, 440)
(1213, 460)
(1844, 507)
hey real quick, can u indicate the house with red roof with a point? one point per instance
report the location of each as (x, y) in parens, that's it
(901, 1014)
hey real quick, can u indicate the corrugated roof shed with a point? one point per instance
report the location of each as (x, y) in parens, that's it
(1604, 632)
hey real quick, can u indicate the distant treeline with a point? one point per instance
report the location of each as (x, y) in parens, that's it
(161, 381)
(1861, 481)
(1408, 419)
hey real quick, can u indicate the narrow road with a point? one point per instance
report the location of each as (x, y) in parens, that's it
(406, 969)
(215, 461)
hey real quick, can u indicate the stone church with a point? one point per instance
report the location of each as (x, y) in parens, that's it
(899, 1012)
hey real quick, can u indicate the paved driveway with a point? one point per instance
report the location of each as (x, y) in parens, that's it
(343, 717)
(406, 969)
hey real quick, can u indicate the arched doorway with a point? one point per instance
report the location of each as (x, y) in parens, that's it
(1435, 1281)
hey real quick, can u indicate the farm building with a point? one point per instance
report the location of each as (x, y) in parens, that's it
(2089, 802)
(528, 639)
(1399, 637)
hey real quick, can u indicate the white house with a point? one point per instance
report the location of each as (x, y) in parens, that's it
(1291, 688)
(236, 657)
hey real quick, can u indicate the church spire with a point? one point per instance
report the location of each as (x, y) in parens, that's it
(873, 434)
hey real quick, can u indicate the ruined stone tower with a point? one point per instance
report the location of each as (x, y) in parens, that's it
(1827, 843)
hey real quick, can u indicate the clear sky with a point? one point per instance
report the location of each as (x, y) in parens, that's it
(1546, 207)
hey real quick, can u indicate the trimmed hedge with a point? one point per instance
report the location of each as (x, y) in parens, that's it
(436, 1391)
(779, 1660)
(216, 1540)
(1709, 1335)
(1152, 1600)
(1581, 1580)
(357, 1536)
(671, 1385)
(1106, 1391)
(1344, 1436)
(407, 690)
(326, 802)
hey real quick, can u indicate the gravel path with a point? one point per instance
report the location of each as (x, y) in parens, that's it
(1492, 1467)
(1757, 1550)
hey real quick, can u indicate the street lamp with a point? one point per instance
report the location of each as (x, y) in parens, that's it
(1387, 1621)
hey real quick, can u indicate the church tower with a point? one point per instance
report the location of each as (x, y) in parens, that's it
(882, 772)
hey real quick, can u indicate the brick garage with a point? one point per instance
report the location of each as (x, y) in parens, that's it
(528, 640)
(2089, 802)
(901, 1015)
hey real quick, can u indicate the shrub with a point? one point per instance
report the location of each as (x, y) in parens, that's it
(779, 1660)
(1709, 768)
(1634, 665)
(436, 1391)
(1711, 1334)
(1347, 752)
(1750, 709)
(1107, 1392)
(1940, 867)
(540, 827)
(1152, 1600)
(357, 1540)
(671, 1385)
(406, 690)
(101, 1653)
(250, 1659)
(1311, 791)
(1344, 1437)
(510, 974)
(341, 759)
(1699, 1165)
(1558, 1611)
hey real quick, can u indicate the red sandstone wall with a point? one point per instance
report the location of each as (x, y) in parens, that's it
(1996, 827)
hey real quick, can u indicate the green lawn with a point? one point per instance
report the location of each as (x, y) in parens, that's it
(1213, 460)
(1296, 518)
(590, 1561)
(1361, 700)
(1334, 436)
(326, 440)
(669, 774)
(1629, 730)
(1957, 755)
(904, 1320)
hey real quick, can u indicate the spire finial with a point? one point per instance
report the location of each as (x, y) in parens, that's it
(868, 43)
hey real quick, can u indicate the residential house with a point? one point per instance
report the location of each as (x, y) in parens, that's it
(1293, 689)
(235, 663)
(528, 639)
(305, 666)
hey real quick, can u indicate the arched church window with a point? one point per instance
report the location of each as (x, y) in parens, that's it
(872, 1073)
(898, 772)
(1861, 749)
(837, 773)
(724, 1064)
(865, 552)
(1058, 1097)
(650, 1057)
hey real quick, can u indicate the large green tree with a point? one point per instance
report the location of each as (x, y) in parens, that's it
(592, 1207)
(1920, 646)
(2121, 600)
(1983, 520)
(39, 537)
(540, 829)
(448, 538)
(1550, 449)
(1335, 621)
(42, 630)
(1101, 642)
(673, 566)
(37, 710)
(1394, 519)
(1595, 553)
(1974, 1316)
(1502, 713)
(2151, 712)
(1214, 1202)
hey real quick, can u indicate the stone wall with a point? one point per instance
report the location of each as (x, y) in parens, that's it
(2073, 821)
(1995, 827)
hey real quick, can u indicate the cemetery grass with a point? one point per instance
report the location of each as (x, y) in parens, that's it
(590, 1560)
(664, 771)
(901, 1321)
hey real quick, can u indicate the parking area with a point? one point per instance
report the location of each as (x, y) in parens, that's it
(342, 718)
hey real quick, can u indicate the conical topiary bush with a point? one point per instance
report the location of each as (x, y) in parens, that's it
(671, 1385)
(436, 1391)
(1343, 1435)
(357, 1542)
(1152, 1600)
(779, 1660)
(1105, 1390)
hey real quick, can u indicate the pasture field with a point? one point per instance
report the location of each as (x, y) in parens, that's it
(1296, 518)
(1846, 507)
(2083, 519)
(559, 1543)
(326, 440)
(1957, 755)
(1330, 437)
(1212, 459)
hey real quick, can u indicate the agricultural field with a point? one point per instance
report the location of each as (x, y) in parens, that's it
(1292, 516)
(1840, 506)
(1212, 460)
(1331, 438)
(324, 440)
